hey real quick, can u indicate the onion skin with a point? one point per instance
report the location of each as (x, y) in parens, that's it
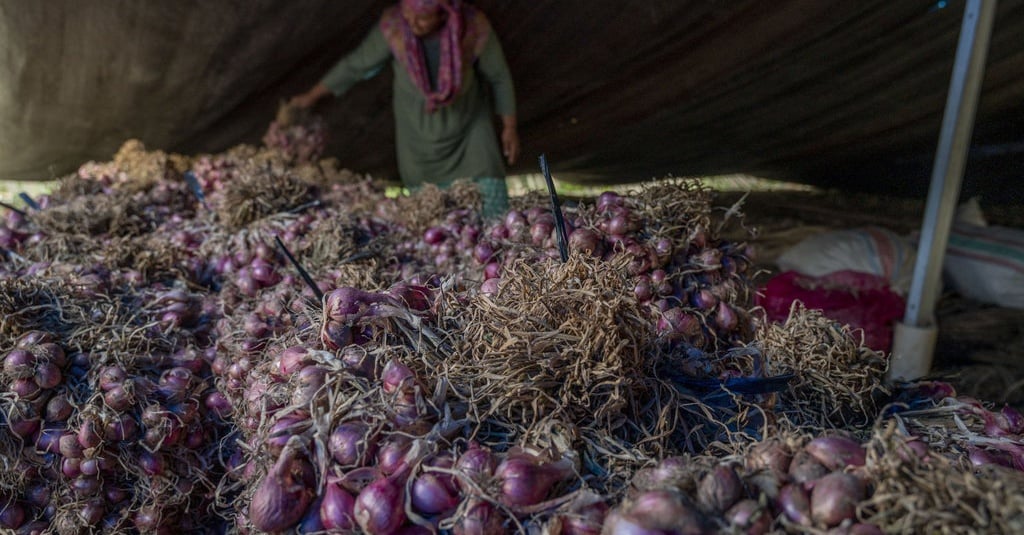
(25, 388)
(122, 429)
(151, 463)
(111, 376)
(69, 446)
(983, 457)
(118, 398)
(31, 338)
(763, 483)
(392, 457)
(434, 235)
(483, 252)
(678, 325)
(291, 360)
(311, 380)
(18, 364)
(719, 490)
(526, 480)
(476, 464)
(12, 515)
(48, 375)
(312, 523)
(36, 527)
(284, 494)
(92, 511)
(85, 485)
(725, 317)
(749, 517)
(38, 494)
(52, 353)
(380, 507)
(480, 518)
(24, 428)
(656, 511)
(586, 241)
(116, 495)
(913, 449)
(218, 404)
(836, 453)
(337, 508)
(794, 502)
(48, 440)
(431, 494)
(349, 444)
(772, 456)
(835, 498)
(490, 286)
(147, 519)
(492, 270)
(89, 434)
(805, 469)
(358, 361)
(396, 376)
(669, 472)
(608, 200)
(586, 520)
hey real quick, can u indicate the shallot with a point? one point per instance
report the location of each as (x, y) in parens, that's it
(836, 453)
(719, 490)
(284, 494)
(526, 480)
(835, 498)
(380, 507)
(337, 508)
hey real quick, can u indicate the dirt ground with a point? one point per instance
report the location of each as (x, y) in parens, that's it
(980, 347)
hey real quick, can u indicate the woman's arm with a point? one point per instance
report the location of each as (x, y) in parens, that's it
(361, 64)
(494, 69)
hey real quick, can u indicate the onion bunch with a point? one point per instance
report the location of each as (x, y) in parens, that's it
(818, 486)
(333, 419)
(300, 137)
(695, 289)
(107, 442)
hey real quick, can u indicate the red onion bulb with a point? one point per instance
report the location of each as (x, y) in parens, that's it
(380, 507)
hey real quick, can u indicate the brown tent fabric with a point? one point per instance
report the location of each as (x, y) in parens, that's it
(840, 93)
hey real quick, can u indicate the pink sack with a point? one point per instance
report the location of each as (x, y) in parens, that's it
(860, 300)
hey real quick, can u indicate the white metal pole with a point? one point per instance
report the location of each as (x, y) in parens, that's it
(914, 341)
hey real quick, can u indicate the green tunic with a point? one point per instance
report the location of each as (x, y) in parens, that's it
(455, 141)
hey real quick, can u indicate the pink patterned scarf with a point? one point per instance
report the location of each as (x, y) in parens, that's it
(462, 39)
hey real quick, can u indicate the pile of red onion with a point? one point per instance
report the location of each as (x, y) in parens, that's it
(106, 446)
(300, 137)
(818, 486)
(253, 405)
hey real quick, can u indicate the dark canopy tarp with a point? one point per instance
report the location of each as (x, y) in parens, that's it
(840, 93)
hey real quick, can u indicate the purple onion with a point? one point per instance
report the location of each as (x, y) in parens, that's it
(12, 515)
(380, 507)
(349, 443)
(151, 463)
(492, 270)
(19, 363)
(218, 404)
(49, 439)
(432, 494)
(337, 508)
(434, 235)
(483, 252)
(490, 286)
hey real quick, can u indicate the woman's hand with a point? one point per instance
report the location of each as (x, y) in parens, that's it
(510, 139)
(309, 98)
